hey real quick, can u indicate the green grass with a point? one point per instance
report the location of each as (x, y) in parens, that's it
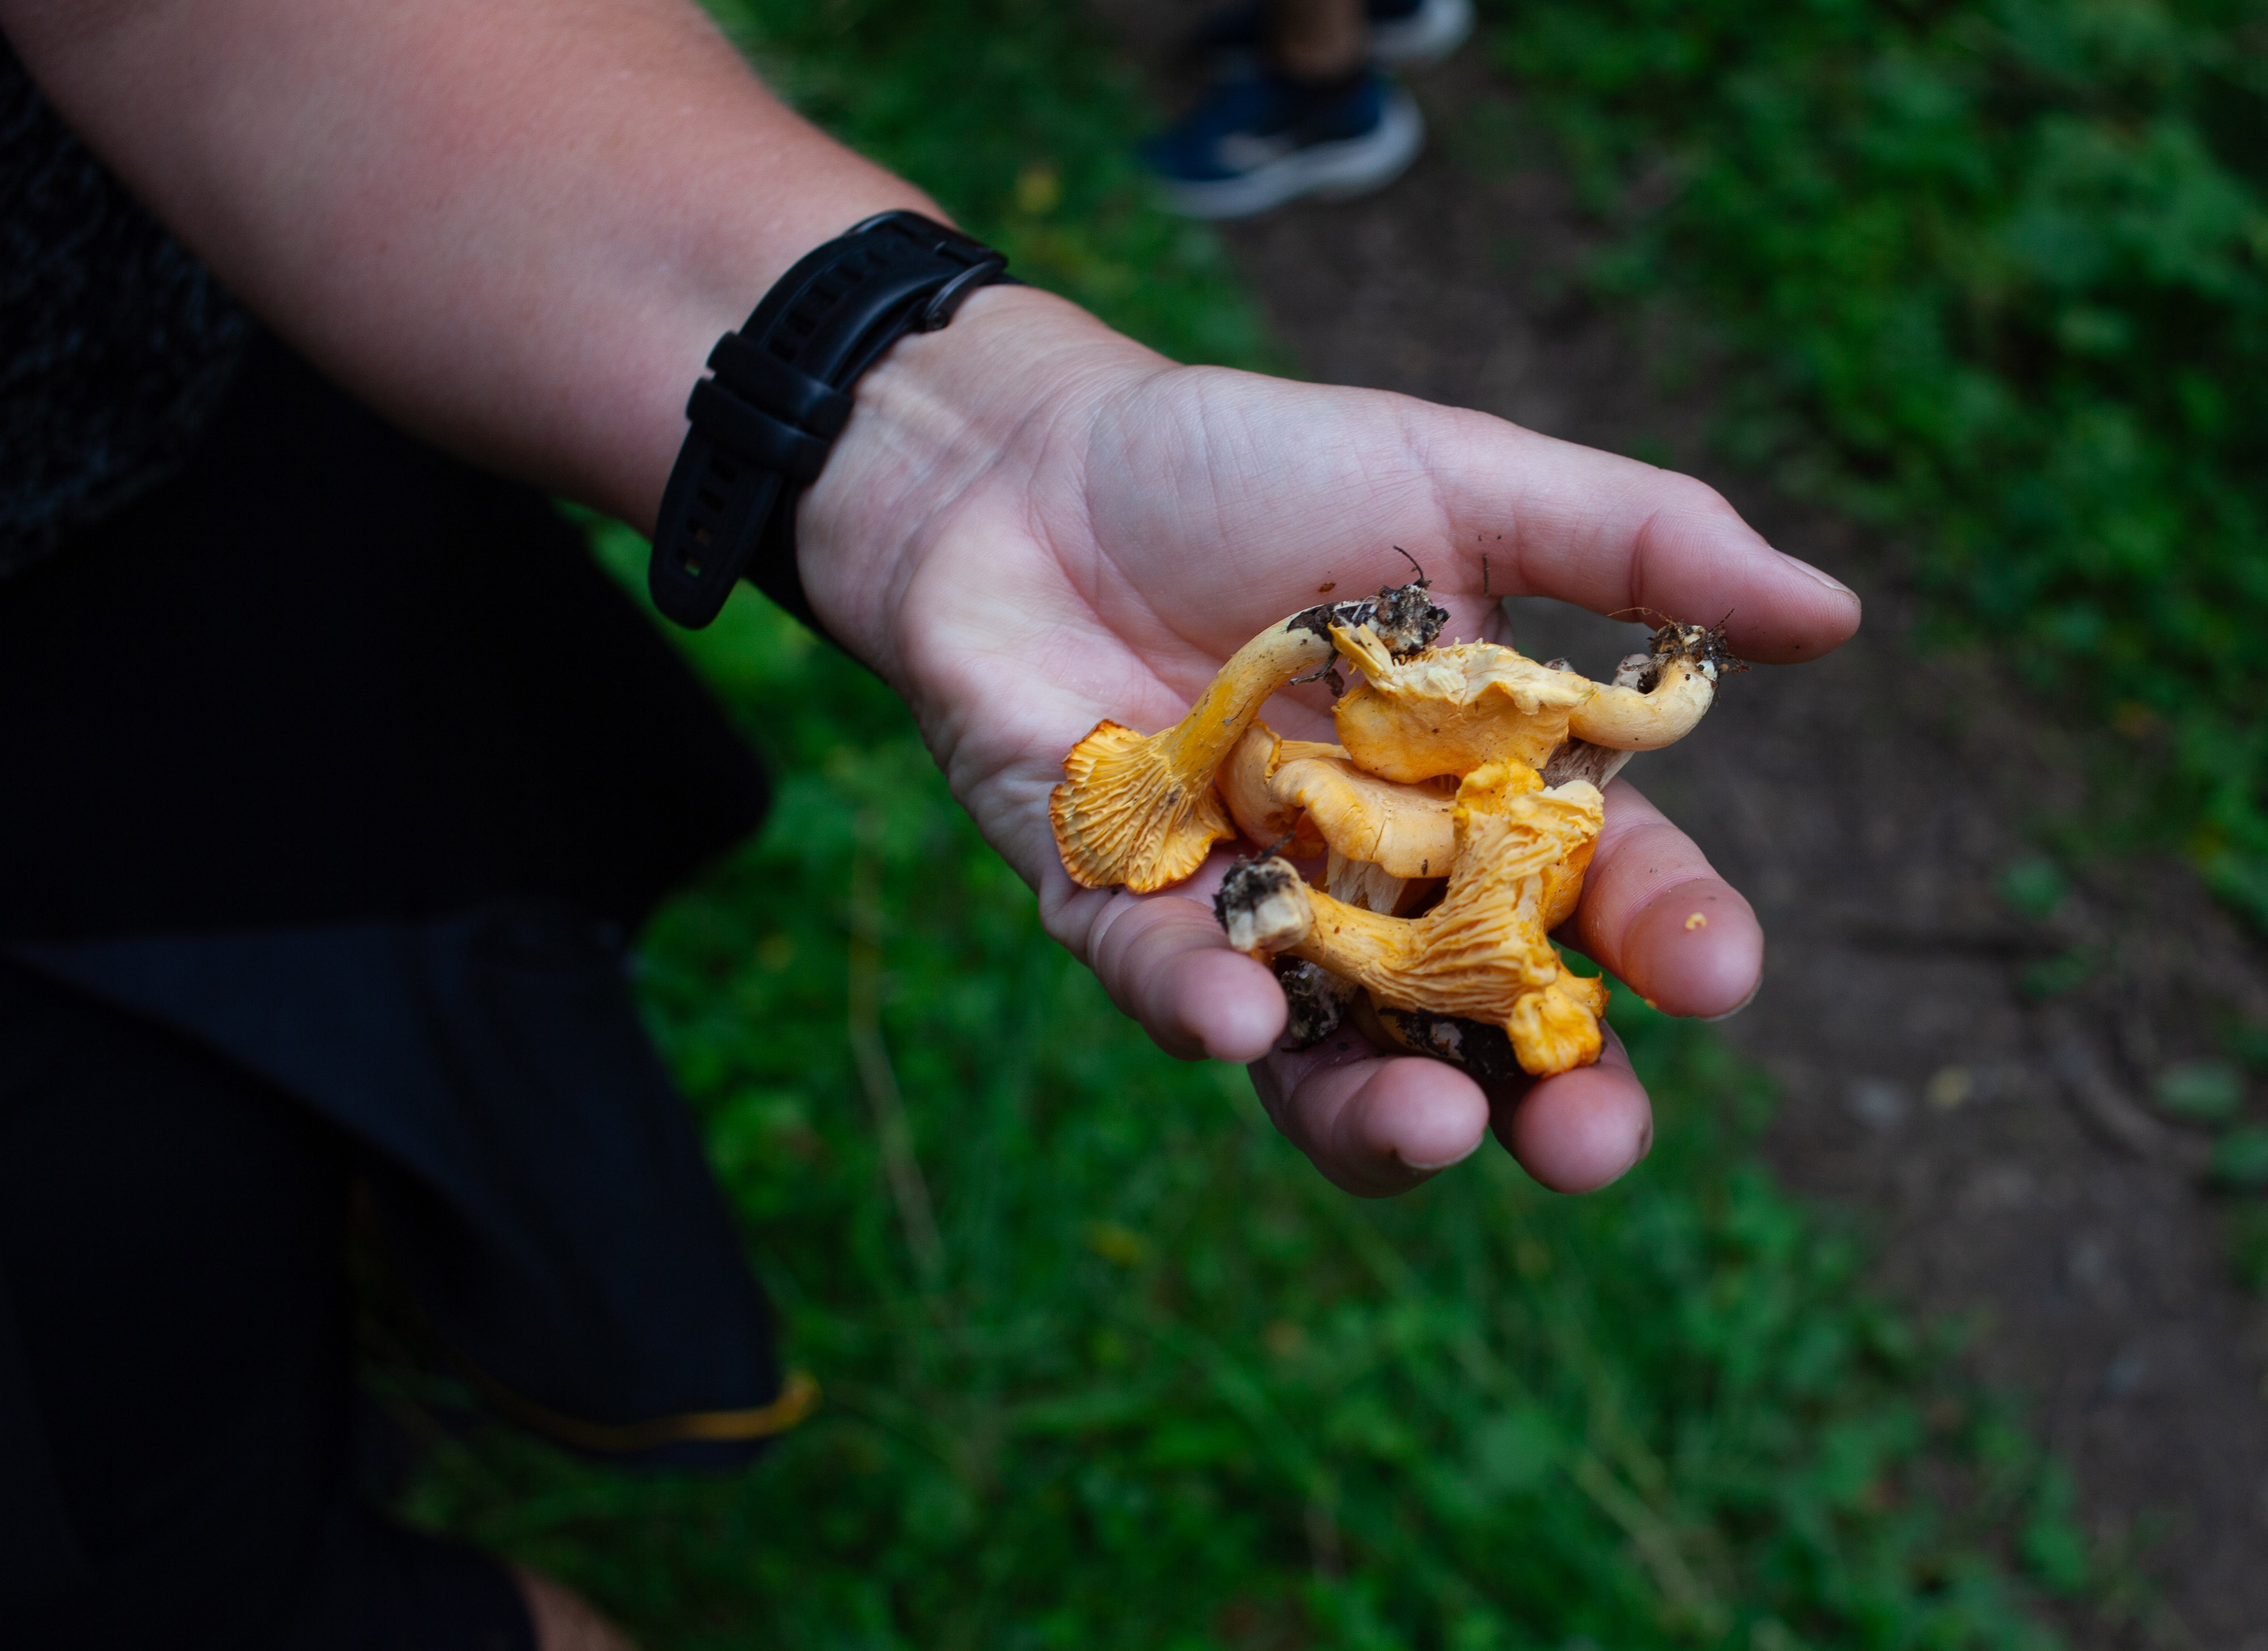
(1992, 275)
(1105, 1362)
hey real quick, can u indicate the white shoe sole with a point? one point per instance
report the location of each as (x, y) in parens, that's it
(1425, 36)
(1329, 171)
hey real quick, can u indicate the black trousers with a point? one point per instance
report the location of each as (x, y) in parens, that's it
(325, 676)
(173, 1256)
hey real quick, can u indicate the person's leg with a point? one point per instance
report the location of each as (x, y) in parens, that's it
(173, 1242)
(1318, 42)
(1314, 116)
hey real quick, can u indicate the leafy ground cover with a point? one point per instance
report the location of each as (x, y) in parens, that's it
(1993, 275)
(1106, 1364)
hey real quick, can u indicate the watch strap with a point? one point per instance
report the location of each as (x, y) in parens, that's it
(779, 393)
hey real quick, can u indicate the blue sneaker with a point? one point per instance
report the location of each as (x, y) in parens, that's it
(1259, 140)
(1404, 33)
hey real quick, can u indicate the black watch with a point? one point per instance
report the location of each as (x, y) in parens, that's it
(765, 422)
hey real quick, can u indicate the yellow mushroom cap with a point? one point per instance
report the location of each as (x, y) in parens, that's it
(1409, 830)
(1491, 787)
(1556, 1029)
(1245, 786)
(1125, 812)
(1450, 711)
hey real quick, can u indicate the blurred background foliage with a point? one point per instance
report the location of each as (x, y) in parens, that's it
(1106, 1364)
(1991, 274)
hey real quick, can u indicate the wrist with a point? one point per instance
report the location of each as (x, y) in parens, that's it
(945, 427)
(637, 426)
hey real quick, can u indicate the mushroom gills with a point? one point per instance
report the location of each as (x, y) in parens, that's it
(1141, 810)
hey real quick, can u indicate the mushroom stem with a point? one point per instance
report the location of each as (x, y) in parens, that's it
(1364, 883)
(1264, 907)
(1579, 759)
(1658, 696)
(1626, 719)
(1200, 741)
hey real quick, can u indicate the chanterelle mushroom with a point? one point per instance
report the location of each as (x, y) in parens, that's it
(1671, 690)
(1449, 711)
(1409, 830)
(1559, 1026)
(1481, 953)
(1246, 785)
(1469, 760)
(1141, 809)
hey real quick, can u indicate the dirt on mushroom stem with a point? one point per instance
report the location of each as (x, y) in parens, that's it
(1471, 750)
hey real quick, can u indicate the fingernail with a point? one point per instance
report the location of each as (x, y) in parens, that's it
(1821, 575)
(1712, 1019)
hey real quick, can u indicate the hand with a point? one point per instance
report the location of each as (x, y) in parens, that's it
(1031, 524)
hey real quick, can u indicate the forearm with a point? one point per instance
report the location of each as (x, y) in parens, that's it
(515, 226)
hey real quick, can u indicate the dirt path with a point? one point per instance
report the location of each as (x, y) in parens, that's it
(1995, 1139)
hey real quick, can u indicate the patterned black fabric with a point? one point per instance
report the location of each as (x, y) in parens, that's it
(115, 343)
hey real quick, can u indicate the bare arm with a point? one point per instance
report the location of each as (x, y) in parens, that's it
(518, 226)
(515, 226)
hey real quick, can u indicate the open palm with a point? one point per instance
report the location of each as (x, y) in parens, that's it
(1043, 525)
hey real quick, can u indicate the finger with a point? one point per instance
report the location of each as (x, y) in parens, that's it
(1210, 500)
(1654, 913)
(1165, 961)
(1373, 1124)
(1558, 519)
(1581, 1129)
